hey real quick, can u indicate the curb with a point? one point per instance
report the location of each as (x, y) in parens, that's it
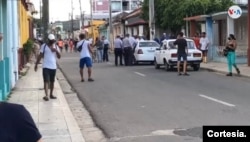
(224, 72)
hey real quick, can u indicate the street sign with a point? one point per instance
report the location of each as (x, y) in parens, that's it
(234, 12)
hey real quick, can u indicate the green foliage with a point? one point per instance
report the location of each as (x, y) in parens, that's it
(169, 14)
(28, 47)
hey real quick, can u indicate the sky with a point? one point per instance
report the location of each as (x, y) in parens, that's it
(60, 9)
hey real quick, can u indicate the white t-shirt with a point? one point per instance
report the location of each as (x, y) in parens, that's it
(49, 59)
(85, 49)
(204, 43)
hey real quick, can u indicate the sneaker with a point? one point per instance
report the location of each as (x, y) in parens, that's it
(179, 74)
(229, 74)
(90, 80)
(186, 74)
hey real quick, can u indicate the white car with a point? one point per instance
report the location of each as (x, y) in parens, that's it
(167, 55)
(144, 51)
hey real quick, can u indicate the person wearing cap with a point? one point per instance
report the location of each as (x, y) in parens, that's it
(49, 52)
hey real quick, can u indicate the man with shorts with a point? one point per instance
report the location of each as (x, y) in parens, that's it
(83, 46)
(204, 43)
(182, 52)
(49, 52)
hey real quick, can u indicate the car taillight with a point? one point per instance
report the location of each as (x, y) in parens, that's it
(140, 51)
(173, 55)
(197, 54)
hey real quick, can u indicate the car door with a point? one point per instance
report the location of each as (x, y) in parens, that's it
(163, 53)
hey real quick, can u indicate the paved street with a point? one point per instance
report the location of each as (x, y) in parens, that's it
(141, 104)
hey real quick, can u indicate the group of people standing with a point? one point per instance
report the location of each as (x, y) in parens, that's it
(101, 48)
(124, 47)
(69, 45)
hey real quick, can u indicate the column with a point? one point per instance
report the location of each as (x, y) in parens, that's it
(209, 33)
(192, 28)
(248, 50)
(16, 40)
(230, 25)
(141, 30)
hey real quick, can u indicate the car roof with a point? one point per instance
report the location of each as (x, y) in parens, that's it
(167, 40)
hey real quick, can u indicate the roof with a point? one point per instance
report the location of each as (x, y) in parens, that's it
(135, 21)
(134, 13)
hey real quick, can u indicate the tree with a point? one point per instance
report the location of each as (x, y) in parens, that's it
(169, 14)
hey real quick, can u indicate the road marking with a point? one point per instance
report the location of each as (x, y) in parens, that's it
(140, 74)
(216, 100)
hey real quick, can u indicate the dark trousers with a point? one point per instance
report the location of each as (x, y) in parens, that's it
(128, 56)
(118, 53)
(105, 54)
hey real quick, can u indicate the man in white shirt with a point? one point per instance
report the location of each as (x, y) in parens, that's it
(84, 47)
(118, 50)
(204, 43)
(128, 50)
(49, 52)
(106, 46)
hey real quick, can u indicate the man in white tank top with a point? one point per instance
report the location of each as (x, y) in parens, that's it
(84, 48)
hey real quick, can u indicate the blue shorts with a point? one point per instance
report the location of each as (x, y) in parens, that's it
(87, 61)
(183, 56)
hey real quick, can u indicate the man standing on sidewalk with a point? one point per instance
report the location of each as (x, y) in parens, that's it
(204, 43)
(49, 52)
(83, 46)
(118, 50)
(128, 54)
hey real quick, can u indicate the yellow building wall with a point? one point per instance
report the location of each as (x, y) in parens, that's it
(23, 23)
(95, 33)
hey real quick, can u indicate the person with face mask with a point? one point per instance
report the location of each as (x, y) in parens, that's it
(231, 47)
(49, 52)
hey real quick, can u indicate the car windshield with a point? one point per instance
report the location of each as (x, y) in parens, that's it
(190, 45)
(148, 44)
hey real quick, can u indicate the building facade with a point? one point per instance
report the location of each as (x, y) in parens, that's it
(102, 6)
(8, 46)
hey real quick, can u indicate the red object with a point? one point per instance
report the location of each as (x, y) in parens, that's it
(173, 55)
(140, 51)
(197, 54)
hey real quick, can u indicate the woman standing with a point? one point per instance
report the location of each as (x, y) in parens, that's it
(99, 47)
(231, 47)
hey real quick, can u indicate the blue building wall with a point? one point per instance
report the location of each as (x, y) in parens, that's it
(8, 57)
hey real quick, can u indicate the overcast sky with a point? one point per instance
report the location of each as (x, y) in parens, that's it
(60, 9)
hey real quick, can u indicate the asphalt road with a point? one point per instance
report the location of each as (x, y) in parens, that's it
(142, 104)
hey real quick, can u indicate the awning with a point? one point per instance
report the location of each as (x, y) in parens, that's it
(197, 18)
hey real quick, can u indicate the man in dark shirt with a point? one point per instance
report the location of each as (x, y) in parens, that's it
(17, 125)
(182, 52)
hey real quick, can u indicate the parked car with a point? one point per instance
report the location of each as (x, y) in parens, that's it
(166, 55)
(144, 51)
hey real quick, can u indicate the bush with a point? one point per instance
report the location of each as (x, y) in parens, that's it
(28, 47)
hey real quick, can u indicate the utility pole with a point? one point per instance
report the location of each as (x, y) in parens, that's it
(151, 19)
(45, 19)
(248, 49)
(72, 20)
(91, 19)
(110, 25)
(81, 13)
(41, 21)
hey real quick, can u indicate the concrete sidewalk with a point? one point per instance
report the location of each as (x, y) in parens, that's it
(222, 68)
(54, 117)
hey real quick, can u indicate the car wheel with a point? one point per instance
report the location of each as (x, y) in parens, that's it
(156, 65)
(134, 61)
(196, 67)
(167, 67)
